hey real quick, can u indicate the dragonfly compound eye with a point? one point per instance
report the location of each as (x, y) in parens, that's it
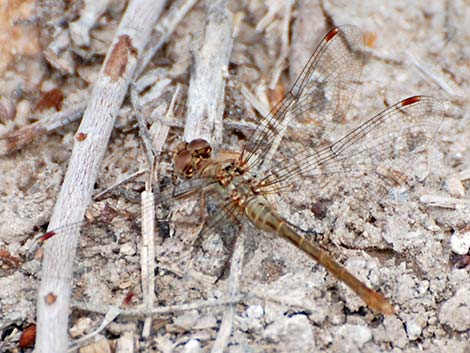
(201, 148)
(183, 163)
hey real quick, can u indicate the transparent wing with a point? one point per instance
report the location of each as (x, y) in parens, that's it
(386, 147)
(318, 100)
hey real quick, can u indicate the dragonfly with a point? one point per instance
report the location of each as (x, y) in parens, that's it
(303, 138)
(277, 159)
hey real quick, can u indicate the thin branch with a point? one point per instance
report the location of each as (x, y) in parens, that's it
(236, 265)
(112, 314)
(89, 148)
(450, 88)
(147, 258)
(162, 310)
(259, 106)
(207, 85)
(159, 130)
(445, 202)
(147, 252)
(165, 29)
(16, 140)
(125, 180)
(143, 131)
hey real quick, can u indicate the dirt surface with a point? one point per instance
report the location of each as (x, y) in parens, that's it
(415, 251)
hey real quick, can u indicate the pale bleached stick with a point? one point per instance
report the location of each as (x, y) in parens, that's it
(204, 120)
(303, 34)
(147, 255)
(205, 112)
(225, 330)
(261, 108)
(445, 201)
(147, 251)
(80, 29)
(437, 77)
(273, 8)
(90, 145)
(165, 29)
(207, 85)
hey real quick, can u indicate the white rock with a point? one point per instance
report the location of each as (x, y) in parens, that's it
(281, 332)
(413, 329)
(192, 346)
(254, 311)
(460, 242)
(205, 322)
(187, 320)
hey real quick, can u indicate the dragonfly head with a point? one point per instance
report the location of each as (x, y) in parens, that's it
(189, 157)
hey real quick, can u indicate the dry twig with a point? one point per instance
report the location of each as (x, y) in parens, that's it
(94, 131)
(207, 85)
(168, 309)
(16, 140)
(225, 330)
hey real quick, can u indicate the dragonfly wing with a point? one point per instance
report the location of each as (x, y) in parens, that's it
(317, 101)
(386, 147)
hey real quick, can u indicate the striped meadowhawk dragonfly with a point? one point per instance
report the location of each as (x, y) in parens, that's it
(306, 137)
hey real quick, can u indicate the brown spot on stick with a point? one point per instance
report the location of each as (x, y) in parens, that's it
(118, 59)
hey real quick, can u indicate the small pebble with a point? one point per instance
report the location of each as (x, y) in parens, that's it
(356, 335)
(460, 242)
(456, 310)
(81, 326)
(127, 249)
(192, 346)
(205, 322)
(254, 311)
(413, 330)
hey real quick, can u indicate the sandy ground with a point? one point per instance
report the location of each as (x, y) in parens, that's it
(405, 250)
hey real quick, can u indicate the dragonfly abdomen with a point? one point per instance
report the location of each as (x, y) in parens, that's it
(259, 212)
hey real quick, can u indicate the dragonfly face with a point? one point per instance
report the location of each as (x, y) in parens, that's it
(195, 158)
(191, 157)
